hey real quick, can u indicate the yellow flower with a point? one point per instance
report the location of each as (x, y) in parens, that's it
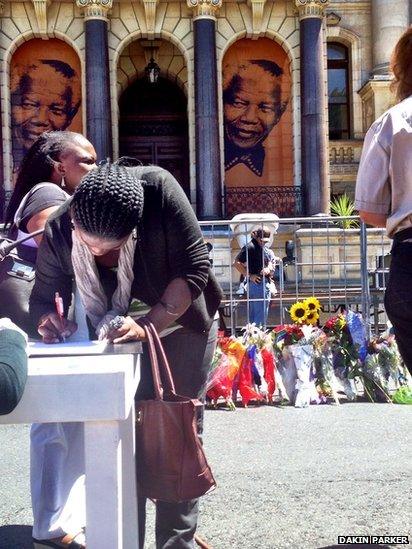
(298, 312)
(312, 303)
(312, 317)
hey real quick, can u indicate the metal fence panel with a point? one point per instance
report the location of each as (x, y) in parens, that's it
(336, 259)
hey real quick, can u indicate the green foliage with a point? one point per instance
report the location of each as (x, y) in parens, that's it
(343, 206)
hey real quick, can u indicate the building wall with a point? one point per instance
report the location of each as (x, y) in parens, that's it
(18, 24)
(348, 22)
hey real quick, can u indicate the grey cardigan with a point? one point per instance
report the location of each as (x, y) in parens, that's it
(13, 369)
(169, 245)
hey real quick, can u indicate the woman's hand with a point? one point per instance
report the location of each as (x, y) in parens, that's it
(255, 278)
(266, 271)
(129, 331)
(54, 328)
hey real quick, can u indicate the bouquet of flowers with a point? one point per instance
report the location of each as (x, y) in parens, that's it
(285, 335)
(327, 382)
(245, 384)
(305, 386)
(383, 369)
(226, 364)
(261, 363)
(295, 345)
(286, 379)
(344, 354)
(253, 335)
(269, 371)
(304, 354)
(306, 311)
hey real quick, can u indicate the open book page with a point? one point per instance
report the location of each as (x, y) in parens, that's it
(38, 348)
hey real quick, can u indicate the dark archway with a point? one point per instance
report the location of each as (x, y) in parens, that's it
(153, 126)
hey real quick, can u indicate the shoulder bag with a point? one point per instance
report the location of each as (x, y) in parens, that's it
(171, 464)
(16, 272)
(16, 282)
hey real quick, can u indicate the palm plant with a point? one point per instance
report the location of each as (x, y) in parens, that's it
(344, 206)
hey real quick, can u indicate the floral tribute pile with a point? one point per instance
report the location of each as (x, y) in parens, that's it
(302, 363)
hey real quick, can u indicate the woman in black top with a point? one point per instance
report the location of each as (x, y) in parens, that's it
(131, 233)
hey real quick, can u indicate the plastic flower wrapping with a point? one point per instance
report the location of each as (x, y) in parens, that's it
(304, 363)
(383, 370)
(243, 366)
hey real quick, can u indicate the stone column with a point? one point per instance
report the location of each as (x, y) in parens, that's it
(389, 21)
(315, 183)
(98, 104)
(208, 165)
(388, 24)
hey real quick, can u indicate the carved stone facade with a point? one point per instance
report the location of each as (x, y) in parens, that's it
(205, 8)
(40, 9)
(311, 8)
(142, 29)
(95, 9)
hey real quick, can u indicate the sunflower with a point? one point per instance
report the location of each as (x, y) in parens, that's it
(298, 312)
(312, 304)
(312, 317)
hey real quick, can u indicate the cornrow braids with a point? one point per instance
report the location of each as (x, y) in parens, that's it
(38, 165)
(108, 202)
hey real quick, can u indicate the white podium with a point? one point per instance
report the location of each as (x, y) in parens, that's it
(98, 391)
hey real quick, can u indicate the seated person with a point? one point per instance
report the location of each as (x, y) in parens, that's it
(13, 365)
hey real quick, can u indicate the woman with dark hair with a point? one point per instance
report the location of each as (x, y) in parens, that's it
(130, 232)
(59, 158)
(50, 172)
(384, 192)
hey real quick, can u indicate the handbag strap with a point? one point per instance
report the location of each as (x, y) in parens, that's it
(162, 376)
(165, 370)
(158, 388)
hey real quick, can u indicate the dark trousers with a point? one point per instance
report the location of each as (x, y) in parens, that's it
(398, 298)
(190, 355)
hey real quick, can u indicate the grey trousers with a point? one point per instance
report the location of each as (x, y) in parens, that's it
(190, 355)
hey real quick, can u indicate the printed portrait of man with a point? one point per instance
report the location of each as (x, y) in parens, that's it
(45, 96)
(253, 104)
(257, 88)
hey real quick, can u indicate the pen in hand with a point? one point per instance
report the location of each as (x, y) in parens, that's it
(60, 311)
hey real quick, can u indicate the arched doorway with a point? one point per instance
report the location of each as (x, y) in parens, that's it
(153, 126)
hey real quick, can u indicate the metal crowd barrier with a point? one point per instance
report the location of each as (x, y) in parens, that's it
(336, 259)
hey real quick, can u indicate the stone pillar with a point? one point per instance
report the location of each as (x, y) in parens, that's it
(208, 165)
(98, 104)
(388, 24)
(315, 183)
(389, 21)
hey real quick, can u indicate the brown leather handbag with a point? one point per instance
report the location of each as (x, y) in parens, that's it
(170, 462)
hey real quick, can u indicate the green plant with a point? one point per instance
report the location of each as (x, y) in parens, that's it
(343, 206)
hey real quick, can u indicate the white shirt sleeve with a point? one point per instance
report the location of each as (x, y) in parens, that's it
(373, 186)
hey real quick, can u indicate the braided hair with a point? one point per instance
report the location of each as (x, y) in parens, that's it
(38, 165)
(109, 201)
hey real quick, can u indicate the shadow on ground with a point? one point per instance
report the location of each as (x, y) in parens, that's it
(15, 536)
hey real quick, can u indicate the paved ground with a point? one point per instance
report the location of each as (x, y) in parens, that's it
(287, 478)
